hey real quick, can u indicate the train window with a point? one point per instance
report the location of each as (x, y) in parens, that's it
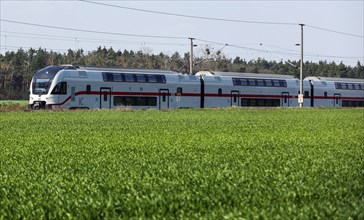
(236, 82)
(272, 102)
(260, 82)
(104, 77)
(88, 89)
(275, 102)
(161, 79)
(117, 77)
(268, 82)
(63, 89)
(129, 77)
(219, 92)
(349, 86)
(253, 102)
(60, 89)
(252, 82)
(325, 94)
(349, 103)
(276, 83)
(244, 82)
(338, 85)
(134, 101)
(260, 102)
(109, 77)
(141, 78)
(152, 79)
(179, 91)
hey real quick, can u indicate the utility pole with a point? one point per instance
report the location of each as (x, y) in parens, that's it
(191, 56)
(300, 97)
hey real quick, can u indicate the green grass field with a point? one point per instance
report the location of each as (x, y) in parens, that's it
(211, 164)
(13, 105)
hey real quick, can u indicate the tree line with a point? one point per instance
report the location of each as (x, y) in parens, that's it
(17, 68)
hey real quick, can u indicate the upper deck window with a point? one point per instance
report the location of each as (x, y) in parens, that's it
(252, 82)
(117, 77)
(129, 77)
(141, 78)
(259, 82)
(349, 86)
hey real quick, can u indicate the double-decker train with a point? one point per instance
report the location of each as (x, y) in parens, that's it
(78, 87)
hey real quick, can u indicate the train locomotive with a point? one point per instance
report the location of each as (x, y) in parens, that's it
(80, 87)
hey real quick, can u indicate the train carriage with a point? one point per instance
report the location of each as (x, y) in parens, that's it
(74, 87)
(249, 90)
(336, 92)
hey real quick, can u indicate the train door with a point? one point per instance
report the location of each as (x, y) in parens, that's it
(234, 98)
(337, 100)
(163, 99)
(285, 99)
(105, 97)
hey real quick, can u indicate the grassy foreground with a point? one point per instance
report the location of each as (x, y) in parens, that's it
(13, 105)
(213, 164)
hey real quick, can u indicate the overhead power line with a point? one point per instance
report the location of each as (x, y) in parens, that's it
(190, 16)
(333, 31)
(92, 31)
(309, 54)
(150, 36)
(219, 19)
(80, 39)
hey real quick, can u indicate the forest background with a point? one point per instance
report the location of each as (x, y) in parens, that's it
(18, 67)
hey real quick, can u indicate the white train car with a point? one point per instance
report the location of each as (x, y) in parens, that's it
(336, 92)
(73, 87)
(223, 89)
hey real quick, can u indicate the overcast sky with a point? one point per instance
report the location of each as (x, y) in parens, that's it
(244, 39)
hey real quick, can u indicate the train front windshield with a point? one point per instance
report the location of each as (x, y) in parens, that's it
(43, 78)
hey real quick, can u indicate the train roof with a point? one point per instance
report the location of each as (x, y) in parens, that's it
(332, 79)
(119, 69)
(260, 75)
